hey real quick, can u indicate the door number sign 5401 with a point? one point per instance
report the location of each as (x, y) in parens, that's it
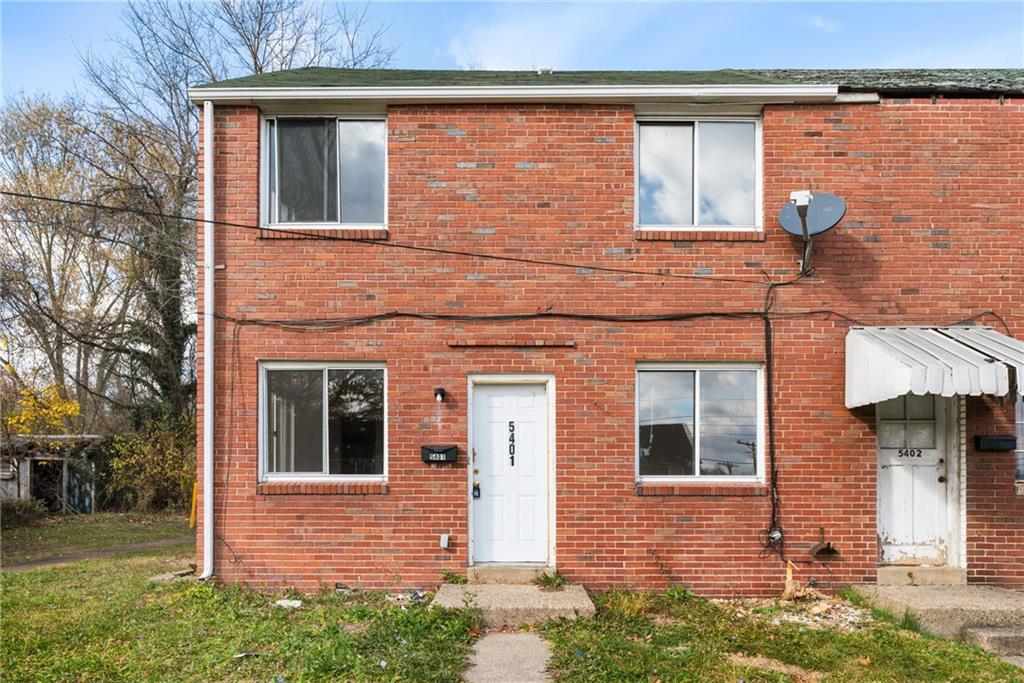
(512, 443)
(910, 453)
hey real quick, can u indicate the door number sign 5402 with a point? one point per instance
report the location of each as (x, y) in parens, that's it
(910, 453)
(512, 443)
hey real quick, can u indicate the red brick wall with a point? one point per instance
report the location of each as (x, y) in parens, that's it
(995, 514)
(933, 235)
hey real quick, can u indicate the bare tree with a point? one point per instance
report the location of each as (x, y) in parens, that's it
(66, 275)
(168, 47)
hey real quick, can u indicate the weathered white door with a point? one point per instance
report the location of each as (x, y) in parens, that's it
(510, 461)
(913, 517)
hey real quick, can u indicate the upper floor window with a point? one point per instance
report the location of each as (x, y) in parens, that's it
(325, 172)
(323, 421)
(698, 174)
(699, 421)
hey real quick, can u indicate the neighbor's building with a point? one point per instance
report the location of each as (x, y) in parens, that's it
(565, 276)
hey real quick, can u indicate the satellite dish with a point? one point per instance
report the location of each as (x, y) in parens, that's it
(807, 214)
(823, 211)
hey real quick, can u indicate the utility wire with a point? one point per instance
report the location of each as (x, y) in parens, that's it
(385, 243)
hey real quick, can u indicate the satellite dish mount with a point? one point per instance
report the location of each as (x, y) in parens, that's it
(807, 214)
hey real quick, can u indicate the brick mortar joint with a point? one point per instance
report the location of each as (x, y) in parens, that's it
(348, 488)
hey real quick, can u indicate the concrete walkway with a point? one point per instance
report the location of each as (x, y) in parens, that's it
(947, 611)
(504, 605)
(510, 658)
(125, 549)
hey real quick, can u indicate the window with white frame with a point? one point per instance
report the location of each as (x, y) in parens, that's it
(698, 174)
(325, 172)
(1020, 442)
(321, 420)
(699, 421)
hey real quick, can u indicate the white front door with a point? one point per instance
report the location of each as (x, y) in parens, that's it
(510, 473)
(914, 519)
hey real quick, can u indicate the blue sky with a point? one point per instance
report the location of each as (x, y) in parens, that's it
(40, 40)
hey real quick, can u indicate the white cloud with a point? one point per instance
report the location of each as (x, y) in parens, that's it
(819, 23)
(529, 37)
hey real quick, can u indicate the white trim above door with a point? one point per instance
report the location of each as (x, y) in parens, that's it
(508, 412)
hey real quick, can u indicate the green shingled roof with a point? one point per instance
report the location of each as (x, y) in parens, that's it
(890, 81)
(917, 81)
(315, 76)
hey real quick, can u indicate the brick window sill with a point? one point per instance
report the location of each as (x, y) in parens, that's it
(698, 490)
(700, 235)
(324, 233)
(322, 488)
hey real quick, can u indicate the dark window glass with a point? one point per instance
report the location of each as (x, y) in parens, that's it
(728, 422)
(294, 419)
(355, 422)
(666, 423)
(307, 170)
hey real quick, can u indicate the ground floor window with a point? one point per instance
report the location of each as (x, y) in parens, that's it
(323, 420)
(699, 421)
(1020, 444)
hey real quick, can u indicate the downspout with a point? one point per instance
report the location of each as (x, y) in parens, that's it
(208, 342)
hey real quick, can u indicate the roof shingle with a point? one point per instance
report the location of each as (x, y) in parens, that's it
(888, 81)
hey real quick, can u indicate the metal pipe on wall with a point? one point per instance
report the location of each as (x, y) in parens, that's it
(208, 341)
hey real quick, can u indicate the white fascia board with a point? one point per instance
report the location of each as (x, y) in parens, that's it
(624, 94)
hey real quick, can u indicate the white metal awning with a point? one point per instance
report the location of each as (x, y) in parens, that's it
(886, 362)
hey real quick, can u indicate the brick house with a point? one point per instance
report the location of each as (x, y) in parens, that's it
(577, 286)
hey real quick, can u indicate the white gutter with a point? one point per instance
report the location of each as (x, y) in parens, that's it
(525, 93)
(208, 342)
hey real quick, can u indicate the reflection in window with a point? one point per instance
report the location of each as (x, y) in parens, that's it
(362, 172)
(666, 174)
(326, 170)
(728, 422)
(697, 422)
(356, 421)
(726, 173)
(717, 188)
(297, 420)
(666, 423)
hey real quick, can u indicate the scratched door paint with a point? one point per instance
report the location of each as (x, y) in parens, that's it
(912, 480)
(510, 438)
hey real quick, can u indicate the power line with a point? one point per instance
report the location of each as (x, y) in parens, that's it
(386, 244)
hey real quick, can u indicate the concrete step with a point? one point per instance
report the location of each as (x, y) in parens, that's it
(897, 575)
(948, 611)
(516, 605)
(1000, 641)
(506, 573)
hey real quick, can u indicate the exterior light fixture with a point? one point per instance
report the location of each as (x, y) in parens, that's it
(439, 395)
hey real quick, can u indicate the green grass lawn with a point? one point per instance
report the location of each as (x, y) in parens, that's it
(102, 620)
(59, 536)
(679, 637)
